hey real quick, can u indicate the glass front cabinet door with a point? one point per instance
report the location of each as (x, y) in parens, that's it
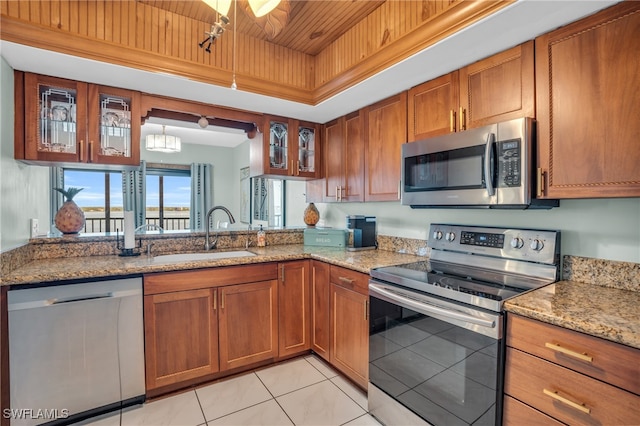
(68, 121)
(55, 119)
(114, 126)
(292, 147)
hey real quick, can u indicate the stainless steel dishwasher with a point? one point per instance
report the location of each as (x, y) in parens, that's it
(75, 350)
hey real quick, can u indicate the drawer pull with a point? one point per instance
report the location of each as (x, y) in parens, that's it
(556, 347)
(346, 280)
(564, 400)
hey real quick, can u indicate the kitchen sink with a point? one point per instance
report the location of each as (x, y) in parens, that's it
(190, 257)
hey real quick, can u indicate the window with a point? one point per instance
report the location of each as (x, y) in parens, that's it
(100, 200)
(168, 197)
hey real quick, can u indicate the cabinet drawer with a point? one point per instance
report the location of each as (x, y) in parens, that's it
(212, 277)
(517, 413)
(349, 279)
(610, 362)
(566, 395)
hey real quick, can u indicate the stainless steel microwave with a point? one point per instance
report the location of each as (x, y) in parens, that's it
(487, 167)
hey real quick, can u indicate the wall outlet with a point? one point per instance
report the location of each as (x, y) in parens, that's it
(34, 227)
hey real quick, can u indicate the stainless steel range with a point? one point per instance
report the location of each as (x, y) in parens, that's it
(436, 346)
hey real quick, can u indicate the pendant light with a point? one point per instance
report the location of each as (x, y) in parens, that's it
(163, 143)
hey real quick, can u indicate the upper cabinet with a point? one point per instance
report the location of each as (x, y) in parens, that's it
(386, 131)
(67, 121)
(343, 141)
(494, 89)
(588, 105)
(289, 148)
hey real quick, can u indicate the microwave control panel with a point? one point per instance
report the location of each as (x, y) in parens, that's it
(509, 163)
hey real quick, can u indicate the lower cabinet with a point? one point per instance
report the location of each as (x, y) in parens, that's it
(294, 301)
(349, 324)
(248, 318)
(555, 374)
(203, 324)
(320, 286)
(181, 336)
(199, 324)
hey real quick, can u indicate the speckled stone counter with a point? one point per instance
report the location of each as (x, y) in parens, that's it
(88, 267)
(595, 306)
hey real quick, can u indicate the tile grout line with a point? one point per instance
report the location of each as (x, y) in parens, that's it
(206, 422)
(276, 401)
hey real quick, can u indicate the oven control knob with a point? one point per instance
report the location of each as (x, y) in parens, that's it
(517, 243)
(536, 245)
(437, 235)
(450, 236)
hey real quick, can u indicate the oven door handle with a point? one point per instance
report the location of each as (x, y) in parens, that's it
(429, 308)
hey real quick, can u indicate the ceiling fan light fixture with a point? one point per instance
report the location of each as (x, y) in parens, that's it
(220, 6)
(262, 7)
(163, 143)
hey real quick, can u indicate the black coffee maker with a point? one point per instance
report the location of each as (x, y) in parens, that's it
(363, 229)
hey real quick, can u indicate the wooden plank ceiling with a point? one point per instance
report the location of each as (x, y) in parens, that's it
(312, 25)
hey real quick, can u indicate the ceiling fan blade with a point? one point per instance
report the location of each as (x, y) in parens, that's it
(273, 22)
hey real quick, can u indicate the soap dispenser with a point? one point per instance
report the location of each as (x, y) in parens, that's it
(262, 238)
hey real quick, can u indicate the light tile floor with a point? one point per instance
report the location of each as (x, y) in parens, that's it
(303, 391)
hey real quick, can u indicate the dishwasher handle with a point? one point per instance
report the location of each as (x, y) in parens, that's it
(57, 301)
(61, 300)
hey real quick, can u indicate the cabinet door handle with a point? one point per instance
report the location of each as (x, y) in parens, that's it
(452, 120)
(539, 182)
(282, 274)
(337, 192)
(462, 118)
(298, 168)
(90, 152)
(81, 150)
(577, 406)
(215, 300)
(581, 356)
(346, 280)
(222, 299)
(366, 310)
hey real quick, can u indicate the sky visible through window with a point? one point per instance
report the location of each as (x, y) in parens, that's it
(177, 189)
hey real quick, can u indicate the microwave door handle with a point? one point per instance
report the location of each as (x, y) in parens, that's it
(488, 162)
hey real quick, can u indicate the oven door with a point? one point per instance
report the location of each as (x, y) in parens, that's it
(438, 360)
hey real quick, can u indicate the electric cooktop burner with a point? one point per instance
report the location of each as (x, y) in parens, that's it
(480, 266)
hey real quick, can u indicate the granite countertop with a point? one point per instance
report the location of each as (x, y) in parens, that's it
(71, 268)
(609, 313)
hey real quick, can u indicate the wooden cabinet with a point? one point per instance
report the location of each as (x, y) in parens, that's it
(289, 148)
(343, 162)
(571, 377)
(349, 323)
(494, 89)
(201, 323)
(294, 303)
(181, 336)
(432, 107)
(67, 121)
(320, 308)
(248, 324)
(588, 105)
(386, 130)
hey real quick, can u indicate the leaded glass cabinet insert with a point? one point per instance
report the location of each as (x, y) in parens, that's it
(115, 118)
(278, 145)
(57, 108)
(306, 149)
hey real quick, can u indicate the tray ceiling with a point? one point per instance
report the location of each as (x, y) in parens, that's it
(312, 24)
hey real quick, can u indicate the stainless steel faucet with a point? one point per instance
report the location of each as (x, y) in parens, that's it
(207, 245)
